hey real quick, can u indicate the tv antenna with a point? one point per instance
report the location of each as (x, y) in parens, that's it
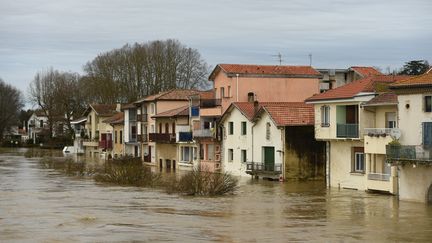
(279, 58)
(310, 59)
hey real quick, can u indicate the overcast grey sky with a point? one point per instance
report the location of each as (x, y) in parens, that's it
(65, 34)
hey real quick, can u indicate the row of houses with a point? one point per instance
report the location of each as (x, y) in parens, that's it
(354, 127)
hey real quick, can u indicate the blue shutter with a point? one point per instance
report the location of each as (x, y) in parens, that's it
(427, 133)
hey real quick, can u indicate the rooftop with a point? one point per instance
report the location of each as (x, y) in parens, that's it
(365, 71)
(350, 90)
(173, 94)
(383, 99)
(181, 111)
(115, 119)
(268, 70)
(414, 82)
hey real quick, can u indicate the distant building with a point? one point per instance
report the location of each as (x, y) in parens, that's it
(333, 78)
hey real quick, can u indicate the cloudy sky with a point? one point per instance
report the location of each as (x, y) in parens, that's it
(65, 34)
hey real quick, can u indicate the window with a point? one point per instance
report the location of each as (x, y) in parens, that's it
(41, 123)
(243, 128)
(358, 165)
(230, 128)
(152, 108)
(390, 119)
(166, 128)
(210, 151)
(243, 155)
(251, 97)
(160, 127)
(325, 116)
(230, 155)
(222, 92)
(115, 136)
(186, 154)
(268, 125)
(152, 128)
(427, 134)
(173, 127)
(428, 103)
(121, 137)
(359, 162)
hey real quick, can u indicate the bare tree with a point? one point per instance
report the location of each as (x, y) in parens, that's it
(11, 102)
(134, 71)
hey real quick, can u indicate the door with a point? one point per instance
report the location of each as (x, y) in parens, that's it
(269, 158)
(136, 151)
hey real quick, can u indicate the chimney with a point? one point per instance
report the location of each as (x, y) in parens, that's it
(256, 106)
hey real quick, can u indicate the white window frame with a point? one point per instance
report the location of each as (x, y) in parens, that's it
(325, 116)
(186, 154)
(359, 166)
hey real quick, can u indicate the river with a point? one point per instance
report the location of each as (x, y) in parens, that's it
(42, 205)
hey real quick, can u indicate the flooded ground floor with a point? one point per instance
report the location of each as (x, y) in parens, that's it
(38, 204)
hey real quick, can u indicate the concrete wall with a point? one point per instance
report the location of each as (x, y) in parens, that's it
(237, 142)
(414, 182)
(304, 156)
(267, 89)
(166, 151)
(341, 166)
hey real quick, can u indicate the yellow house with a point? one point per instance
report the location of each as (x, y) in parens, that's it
(117, 122)
(343, 117)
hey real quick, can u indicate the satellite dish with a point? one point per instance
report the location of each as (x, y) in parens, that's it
(395, 133)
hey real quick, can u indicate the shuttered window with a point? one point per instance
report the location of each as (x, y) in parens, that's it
(427, 134)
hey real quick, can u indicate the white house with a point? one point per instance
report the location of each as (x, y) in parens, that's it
(413, 155)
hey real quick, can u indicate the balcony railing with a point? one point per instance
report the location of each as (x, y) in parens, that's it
(408, 153)
(105, 144)
(204, 133)
(185, 136)
(378, 131)
(209, 103)
(91, 142)
(378, 177)
(162, 137)
(142, 117)
(263, 168)
(142, 138)
(347, 130)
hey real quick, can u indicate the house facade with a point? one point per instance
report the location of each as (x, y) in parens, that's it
(98, 138)
(265, 83)
(413, 154)
(151, 106)
(37, 123)
(343, 117)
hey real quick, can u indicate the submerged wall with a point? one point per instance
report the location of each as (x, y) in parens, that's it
(304, 156)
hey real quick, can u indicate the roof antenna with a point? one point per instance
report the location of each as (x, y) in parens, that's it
(279, 58)
(310, 59)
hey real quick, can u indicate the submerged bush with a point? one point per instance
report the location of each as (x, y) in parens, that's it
(128, 172)
(66, 165)
(203, 183)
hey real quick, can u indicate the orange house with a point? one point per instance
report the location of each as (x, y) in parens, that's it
(265, 83)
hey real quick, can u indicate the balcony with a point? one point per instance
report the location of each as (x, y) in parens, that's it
(162, 137)
(105, 144)
(347, 130)
(133, 138)
(408, 153)
(142, 138)
(185, 137)
(91, 143)
(210, 103)
(254, 168)
(142, 117)
(204, 133)
(376, 140)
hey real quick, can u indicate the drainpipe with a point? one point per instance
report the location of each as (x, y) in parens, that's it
(237, 92)
(328, 163)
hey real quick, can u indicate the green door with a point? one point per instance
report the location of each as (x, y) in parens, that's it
(269, 158)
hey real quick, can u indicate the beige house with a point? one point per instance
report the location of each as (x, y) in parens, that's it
(98, 137)
(117, 123)
(413, 156)
(151, 106)
(343, 117)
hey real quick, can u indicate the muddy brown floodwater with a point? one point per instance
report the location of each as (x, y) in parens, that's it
(39, 204)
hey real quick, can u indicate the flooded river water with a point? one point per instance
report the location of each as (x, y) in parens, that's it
(39, 204)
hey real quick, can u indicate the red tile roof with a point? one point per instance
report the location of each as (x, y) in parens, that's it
(181, 111)
(103, 109)
(366, 71)
(282, 113)
(173, 94)
(352, 89)
(383, 99)
(291, 113)
(414, 81)
(233, 69)
(115, 119)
